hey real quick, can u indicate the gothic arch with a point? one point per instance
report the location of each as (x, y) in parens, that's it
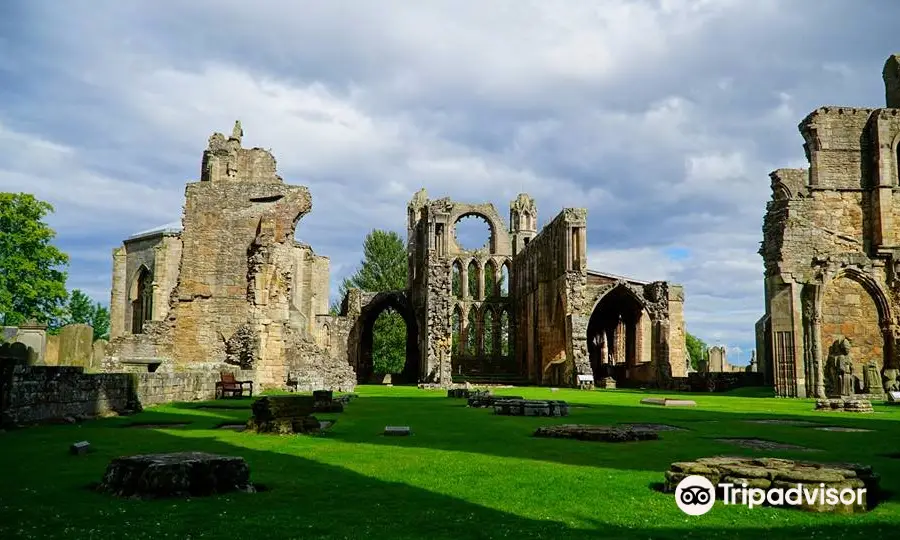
(616, 287)
(872, 287)
(361, 337)
(140, 296)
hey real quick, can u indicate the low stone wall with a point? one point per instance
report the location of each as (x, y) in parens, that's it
(41, 393)
(716, 382)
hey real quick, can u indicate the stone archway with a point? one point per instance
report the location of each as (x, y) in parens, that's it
(853, 307)
(614, 335)
(364, 326)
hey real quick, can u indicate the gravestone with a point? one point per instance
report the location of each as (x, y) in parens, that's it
(76, 345)
(894, 398)
(80, 448)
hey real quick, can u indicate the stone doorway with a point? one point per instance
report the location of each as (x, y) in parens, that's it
(614, 335)
(387, 302)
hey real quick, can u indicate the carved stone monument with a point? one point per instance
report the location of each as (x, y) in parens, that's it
(839, 382)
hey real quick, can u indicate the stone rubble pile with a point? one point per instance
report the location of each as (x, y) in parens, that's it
(530, 407)
(766, 473)
(844, 404)
(586, 432)
(179, 474)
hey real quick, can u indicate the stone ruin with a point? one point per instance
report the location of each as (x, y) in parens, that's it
(767, 473)
(831, 249)
(230, 285)
(180, 474)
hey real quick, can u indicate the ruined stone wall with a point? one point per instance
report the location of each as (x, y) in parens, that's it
(545, 276)
(158, 253)
(38, 393)
(310, 287)
(830, 247)
(678, 356)
(234, 285)
(849, 311)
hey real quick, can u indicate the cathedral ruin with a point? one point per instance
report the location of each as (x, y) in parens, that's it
(831, 249)
(231, 286)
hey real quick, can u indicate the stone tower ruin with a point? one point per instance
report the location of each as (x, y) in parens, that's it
(831, 250)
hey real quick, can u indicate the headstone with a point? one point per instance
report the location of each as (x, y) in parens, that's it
(80, 448)
(400, 431)
(894, 397)
(76, 345)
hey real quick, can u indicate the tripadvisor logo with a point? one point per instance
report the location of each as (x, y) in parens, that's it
(695, 495)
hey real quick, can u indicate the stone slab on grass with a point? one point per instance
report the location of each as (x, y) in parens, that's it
(531, 407)
(586, 432)
(669, 402)
(397, 431)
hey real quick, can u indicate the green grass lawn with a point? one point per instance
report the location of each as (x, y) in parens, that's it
(464, 473)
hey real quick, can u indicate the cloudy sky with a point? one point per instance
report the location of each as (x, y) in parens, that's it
(662, 117)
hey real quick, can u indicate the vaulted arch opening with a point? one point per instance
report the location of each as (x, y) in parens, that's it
(388, 341)
(456, 279)
(614, 335)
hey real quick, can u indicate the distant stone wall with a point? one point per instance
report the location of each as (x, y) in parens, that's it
(41, 393)
(717, 382)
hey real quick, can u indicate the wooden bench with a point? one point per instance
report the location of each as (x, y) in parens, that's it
(228, 386)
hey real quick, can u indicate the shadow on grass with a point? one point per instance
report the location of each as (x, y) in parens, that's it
(45, 497)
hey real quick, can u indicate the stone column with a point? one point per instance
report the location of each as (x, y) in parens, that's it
(463, 280)
(814, 308)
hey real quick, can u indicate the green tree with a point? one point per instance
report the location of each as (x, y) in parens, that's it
(383, 268)
(32, 269)
(80, 309)
(696, 348)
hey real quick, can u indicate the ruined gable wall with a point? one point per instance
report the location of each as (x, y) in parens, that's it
(548, 279)
(310, 286)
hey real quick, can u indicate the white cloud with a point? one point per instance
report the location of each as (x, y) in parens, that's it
(661, 117)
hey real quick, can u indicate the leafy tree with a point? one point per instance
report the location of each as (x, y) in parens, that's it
(32, 270)
(81, 310)
(383, 268)
(696, 348)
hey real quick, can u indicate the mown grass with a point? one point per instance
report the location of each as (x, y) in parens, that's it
(464, 473)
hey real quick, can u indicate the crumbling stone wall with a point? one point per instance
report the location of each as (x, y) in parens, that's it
(245, 291)
(39, 393)
(548, 275)
(830, 246)
(718, 362)
(474, 316)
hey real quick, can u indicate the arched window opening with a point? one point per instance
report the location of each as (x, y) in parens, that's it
(472, 333)
(491, 289)
(473, 280)
(142, 300)
(504, 334)
(504, 279)
(473, 232)
(456, 279)
(488, 332)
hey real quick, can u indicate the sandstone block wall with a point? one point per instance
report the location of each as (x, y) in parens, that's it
(830, 247)
(40, 393)
(546, 275)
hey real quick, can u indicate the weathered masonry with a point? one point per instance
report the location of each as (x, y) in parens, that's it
(525, 305)
(831, 248)
(231, 285)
